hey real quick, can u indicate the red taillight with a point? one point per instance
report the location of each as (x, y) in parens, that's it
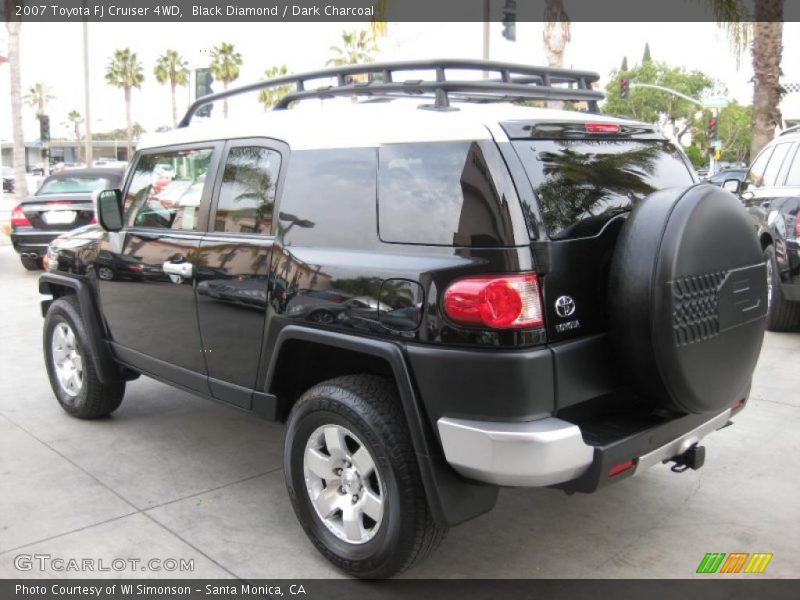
(797, 225)
(737, 406)
(602, 128)
(93, 219)
(18, 218)
(498, 302)
(621, 467)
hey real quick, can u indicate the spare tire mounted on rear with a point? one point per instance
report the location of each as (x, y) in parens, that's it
(688, 298)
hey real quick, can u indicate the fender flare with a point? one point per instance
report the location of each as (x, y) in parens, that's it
(452, 498)
(108, 370)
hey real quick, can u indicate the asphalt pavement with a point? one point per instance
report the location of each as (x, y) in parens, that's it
(173, 476)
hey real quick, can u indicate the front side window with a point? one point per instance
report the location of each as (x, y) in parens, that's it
(775, 164)
(167, 188)
(755, 176)
(582, 184)
(247, 195)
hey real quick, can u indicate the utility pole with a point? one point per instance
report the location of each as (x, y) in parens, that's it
(87, 147)
(486, 34)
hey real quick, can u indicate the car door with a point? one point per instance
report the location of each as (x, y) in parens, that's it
(147, 291)
(233, 272)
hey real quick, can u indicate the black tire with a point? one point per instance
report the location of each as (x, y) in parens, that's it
(31, 264)
(93, 398)
(367, 406)
(782, 314)
(688, 299)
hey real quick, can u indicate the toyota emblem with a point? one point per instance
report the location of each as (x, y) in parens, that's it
(565, 306)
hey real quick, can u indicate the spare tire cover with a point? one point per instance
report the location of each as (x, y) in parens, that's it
(688, 298)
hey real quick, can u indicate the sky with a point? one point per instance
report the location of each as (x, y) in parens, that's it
(52, 54)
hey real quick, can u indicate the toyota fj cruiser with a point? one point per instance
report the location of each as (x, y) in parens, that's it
(441, 289)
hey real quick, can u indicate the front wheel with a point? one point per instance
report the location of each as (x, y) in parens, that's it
(353, 478)
(71, 364)
(782, 314)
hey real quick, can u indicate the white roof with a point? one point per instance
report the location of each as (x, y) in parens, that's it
(367, 124)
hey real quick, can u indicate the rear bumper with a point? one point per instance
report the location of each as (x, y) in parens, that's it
(551, 451)
(33, 241)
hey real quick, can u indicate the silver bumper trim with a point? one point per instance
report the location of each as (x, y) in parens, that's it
(681, 444)
(531, 453)
(540, 453)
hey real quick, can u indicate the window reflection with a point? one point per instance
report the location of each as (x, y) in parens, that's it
(581, 184)
(247, 196)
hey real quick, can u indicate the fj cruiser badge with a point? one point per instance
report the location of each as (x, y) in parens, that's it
(565, 306)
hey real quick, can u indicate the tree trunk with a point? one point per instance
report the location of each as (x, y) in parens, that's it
(87, 146)
(225, 101)
(174, 105)
(20, 171)
(129, 145)
(556, 35)
(767, 50)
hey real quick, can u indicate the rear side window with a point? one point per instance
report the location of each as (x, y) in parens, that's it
(247, 195)
(755, 176)
(581, 184)
(444, 193)
(793, 177)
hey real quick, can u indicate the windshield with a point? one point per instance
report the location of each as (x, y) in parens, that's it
(73, 185)
(581, 184)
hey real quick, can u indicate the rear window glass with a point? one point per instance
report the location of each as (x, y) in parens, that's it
(581, 184)
(73, 185)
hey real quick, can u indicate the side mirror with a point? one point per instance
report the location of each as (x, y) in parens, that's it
(732, 185)
(108, 209)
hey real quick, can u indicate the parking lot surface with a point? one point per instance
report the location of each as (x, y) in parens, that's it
(170, 475)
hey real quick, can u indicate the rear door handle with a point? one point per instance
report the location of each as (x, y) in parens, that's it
(182, 269)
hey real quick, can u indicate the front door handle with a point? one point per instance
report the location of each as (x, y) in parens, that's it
(182, 269)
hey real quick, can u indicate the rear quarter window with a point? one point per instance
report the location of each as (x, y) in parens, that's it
(582, 184)
(446, 194)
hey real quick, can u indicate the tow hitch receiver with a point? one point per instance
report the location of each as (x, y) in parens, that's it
(693, 459)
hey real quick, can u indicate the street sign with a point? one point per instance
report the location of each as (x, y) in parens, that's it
(718, 144)
(716, 102)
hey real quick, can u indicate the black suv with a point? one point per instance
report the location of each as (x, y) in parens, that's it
(771, 193)
(441, 289)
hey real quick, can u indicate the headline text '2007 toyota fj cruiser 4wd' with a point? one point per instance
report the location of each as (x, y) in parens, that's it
(440, 289)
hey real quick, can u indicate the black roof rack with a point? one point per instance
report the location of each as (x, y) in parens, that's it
(506, 82)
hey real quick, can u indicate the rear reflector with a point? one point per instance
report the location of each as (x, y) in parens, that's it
(497, 302)
(736, 405)
(797, 226)
(602, 128)
(18, 218)
(621, 467)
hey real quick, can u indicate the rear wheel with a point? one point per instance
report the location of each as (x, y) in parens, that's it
(71, 364)
(30, 264)
(353, 479)
(782, 315)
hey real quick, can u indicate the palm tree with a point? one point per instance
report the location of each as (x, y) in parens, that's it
(37, 97)
(225, 63)
(270, 96)
(556, 35)
(357, 47)
(766, 50)
(13, 25)
(378, 25)
(75, 118)
(125, 71)
(170, 67)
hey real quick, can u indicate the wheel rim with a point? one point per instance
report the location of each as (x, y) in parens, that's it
(343, 484)
(105, 273)
(769, 283)
(67, 359)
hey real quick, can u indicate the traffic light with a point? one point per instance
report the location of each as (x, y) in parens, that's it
(712, 128)
(624, 87)
(510, 20)
(202, 87)
(44, 128)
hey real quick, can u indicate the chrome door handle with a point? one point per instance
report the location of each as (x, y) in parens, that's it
(183, 269)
